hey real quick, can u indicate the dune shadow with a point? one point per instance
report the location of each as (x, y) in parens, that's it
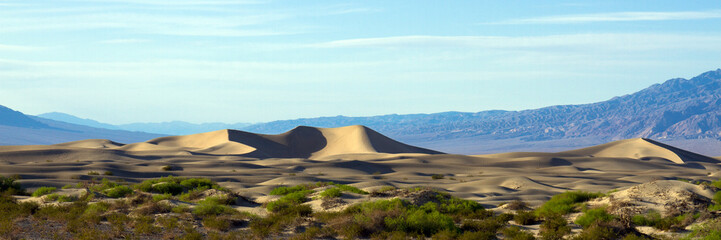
(370, 168)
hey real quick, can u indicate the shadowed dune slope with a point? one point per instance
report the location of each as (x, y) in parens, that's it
(301, 142)
(641, 148)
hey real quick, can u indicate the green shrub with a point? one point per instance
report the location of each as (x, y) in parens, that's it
(422, 222)
(516, 233)
(108, 173)
(160, 197)
(596, 215)
(9, 185)
(93, 173)
(437, 176)
(565, 203)
(43, 191)
(217, 223)
(709, 230)
(68, 186)
(199, 183)
(212, 207)
(172, 188)
(97, 208)
(596, 231)
(118, 192)
(649, 219)
(59, 198)
(554, 227)
(104, 185)
(288, 190)
(490, 225)
(524, 217)
(347, 188)
(331, 193)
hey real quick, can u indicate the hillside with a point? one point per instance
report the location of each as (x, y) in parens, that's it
(17, 128)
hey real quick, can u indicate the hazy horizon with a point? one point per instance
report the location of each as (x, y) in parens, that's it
(125, 61)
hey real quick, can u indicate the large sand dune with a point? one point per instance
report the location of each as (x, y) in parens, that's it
(252, 164)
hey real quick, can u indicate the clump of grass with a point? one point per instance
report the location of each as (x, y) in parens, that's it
(565, 203)
(176, 185)
(60, 198)
(348, 188)
(118, 192)
(437, 176)
(288, 190)
(516, 233)
(166, 168)
(93, 173)
(68, 186)
(161, 197)
(43, 191)
(108, 173)
(591, 216)
(289, 203)
(212, 207)
(331, 193)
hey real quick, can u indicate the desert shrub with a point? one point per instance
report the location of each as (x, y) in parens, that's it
(150, 207)
(421, 221)
(331, 193)
(68, 186)
(477, 236)
(554, 227)
(517, 205)
(93, 173)
(524, 217)
(212, 207)
(168, 188)
(437, 176)
(649, 219)
(288, 190)
(104, 184)
(708, 230)
(97, 208)
(289, 201)
(347, 188)
(490, 225)
(60, 198)
(181, 209)
(217, 223)
(160, 197)
(198, 183)
(118, 192)
(516, 233)
(595, 215)
(108, 173)
(566, 202)
(596, 231)
(10, 185)
(717, 202)
(166, 168)
(43, 191)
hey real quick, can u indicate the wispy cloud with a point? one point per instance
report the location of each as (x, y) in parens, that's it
(4, 47)
(124, 41)
(616, 17)
(586, 42)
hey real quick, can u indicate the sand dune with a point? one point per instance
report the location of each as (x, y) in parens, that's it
(252, 164)
(301, 142)
(641, 148)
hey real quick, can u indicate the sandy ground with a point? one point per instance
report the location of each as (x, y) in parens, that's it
(253, 164)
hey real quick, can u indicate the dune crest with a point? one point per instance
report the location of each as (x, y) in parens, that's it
(641, 148)
(301, 142)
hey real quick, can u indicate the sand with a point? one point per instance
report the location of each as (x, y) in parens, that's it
(253, 164)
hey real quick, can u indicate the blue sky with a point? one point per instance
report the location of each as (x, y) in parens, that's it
(122, 61)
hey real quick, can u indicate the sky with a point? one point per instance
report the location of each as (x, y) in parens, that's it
(123, 61)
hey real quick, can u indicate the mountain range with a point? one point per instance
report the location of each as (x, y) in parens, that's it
(684, 112)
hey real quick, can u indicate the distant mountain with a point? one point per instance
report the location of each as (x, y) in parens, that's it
(9, 117)
(64, 117)
(678, 109)
(681, 112)
(167, 128)
(180, 127)
(17, 128)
